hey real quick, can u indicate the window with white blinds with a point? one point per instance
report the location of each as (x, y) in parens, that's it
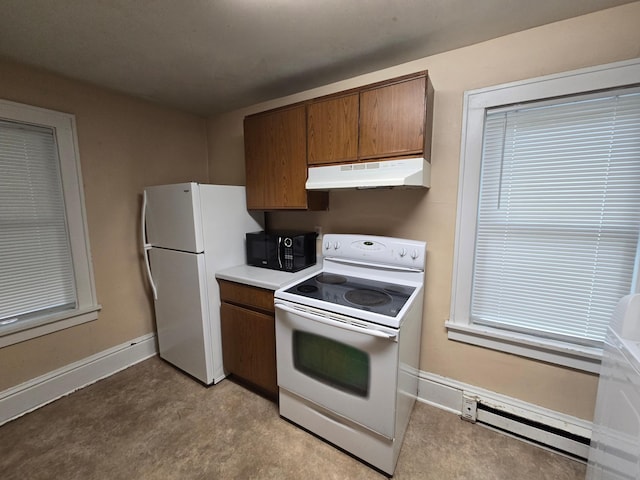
(36, 270)
(46, 276)
(558, 216)
(548, 216)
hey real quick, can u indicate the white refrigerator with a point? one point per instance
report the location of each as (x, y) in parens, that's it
(615, 442)
(190, 231)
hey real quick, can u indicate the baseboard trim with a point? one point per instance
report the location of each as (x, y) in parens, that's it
(447, 394)
(35, 393)
(435, 390)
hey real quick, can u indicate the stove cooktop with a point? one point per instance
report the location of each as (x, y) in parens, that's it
(363, 294)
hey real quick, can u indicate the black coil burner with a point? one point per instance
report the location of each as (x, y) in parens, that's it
(367, 298)
(307, 288)
(327, 290)
(330, 278)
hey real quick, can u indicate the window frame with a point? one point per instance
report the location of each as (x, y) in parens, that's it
(476, 102)
(64, 128)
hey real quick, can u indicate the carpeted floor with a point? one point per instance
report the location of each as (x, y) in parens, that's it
(152, 422)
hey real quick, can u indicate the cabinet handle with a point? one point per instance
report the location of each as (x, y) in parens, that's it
(336, 323)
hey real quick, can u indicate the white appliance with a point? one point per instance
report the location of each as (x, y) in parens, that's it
(403, 172)
(192, 230)
(615, 444)
(348, 345)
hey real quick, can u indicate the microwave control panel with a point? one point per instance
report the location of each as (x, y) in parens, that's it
(288, 253)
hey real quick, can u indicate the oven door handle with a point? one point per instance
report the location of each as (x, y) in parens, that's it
(336, 323)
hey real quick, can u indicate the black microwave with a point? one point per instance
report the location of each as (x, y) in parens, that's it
(281, 250)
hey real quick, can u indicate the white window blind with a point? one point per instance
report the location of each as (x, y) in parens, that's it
(36, 269)
(558, 215)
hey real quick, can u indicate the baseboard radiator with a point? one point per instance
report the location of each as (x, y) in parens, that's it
(547, 436)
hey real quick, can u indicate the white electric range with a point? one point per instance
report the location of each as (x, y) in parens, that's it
(348, 343)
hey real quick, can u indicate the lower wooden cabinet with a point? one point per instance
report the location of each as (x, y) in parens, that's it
(248, 335)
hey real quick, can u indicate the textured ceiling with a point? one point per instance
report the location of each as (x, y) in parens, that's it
(211, 56)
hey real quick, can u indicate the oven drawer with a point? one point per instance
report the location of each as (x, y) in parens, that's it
(347, 369)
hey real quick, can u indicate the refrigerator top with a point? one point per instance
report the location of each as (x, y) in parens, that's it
(173, 217)
(625, 320)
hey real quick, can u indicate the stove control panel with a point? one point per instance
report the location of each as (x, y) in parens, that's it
(374, 249)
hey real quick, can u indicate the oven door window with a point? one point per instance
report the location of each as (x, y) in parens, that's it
(333, 363)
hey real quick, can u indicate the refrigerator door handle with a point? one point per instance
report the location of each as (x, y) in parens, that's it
(146, 246)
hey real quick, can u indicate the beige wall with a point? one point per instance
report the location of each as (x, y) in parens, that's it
(599, 38)
(125, 144)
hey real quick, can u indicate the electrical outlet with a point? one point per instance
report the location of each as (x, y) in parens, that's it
(469, 409)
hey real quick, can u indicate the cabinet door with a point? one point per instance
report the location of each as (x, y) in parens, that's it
(392, 119)
(332, 130)
(276, 159)
(249, 346)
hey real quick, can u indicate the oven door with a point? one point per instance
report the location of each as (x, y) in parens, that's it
(349, 369)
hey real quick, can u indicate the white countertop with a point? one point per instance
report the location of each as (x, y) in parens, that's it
(264, 277)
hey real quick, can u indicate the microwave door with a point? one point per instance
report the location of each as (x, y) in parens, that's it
(274, 253)
(260, 251)
(279, 254)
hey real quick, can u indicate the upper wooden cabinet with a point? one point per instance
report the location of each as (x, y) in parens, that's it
(332, 130)
(392, 119)
(389, 119)
(275, 145)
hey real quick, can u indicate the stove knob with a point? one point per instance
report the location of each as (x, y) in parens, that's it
(327, 245)
(336, 245)
(414, 254)
(402, 252)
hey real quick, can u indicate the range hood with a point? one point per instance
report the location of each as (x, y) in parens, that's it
(407, 172)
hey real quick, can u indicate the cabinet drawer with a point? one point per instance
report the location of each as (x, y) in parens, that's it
(240, 294)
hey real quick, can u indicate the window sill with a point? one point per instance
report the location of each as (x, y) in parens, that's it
(28, 329)
(551, 351)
